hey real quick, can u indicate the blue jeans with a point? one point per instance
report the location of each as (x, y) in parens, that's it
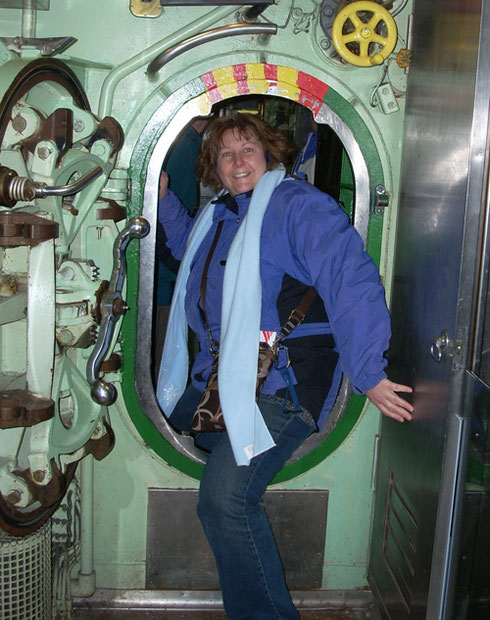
(234, 521)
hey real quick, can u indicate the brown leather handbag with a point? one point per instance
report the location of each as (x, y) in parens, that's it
(209, 415)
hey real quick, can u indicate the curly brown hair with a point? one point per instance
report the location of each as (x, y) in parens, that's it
(275, 142)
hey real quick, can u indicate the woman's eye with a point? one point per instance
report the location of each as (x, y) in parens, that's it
(226, 154)
(249, 149)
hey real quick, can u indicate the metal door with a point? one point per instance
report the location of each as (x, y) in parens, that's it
(436, 273)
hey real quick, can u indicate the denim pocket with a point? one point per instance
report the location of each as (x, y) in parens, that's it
(289, 408)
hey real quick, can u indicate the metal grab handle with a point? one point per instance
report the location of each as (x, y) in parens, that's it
(27, 189)
(204, 37)
(15, 188)
(113, 307)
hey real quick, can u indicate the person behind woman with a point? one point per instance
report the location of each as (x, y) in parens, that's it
(277, 237)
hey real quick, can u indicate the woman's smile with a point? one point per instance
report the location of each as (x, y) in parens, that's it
(241, 162)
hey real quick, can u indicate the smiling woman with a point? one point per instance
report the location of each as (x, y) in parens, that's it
(241, 150)
(249, 261)
(241, 162)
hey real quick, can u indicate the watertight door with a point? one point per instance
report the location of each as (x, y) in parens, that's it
(440, 262)
(61, 208)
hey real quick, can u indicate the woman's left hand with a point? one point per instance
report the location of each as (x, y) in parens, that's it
(163, 184)
(384, 396)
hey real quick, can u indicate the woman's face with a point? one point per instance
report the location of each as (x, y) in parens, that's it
(241, 162)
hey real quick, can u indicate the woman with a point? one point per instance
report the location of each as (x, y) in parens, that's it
(266, 239)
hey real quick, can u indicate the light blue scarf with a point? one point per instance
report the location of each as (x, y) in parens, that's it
(240, 326)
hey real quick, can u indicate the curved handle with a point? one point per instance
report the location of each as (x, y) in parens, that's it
(113, 307)
(15, 188)
(440, 346)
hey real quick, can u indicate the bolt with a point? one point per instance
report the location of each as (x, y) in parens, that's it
(69, 207)
(99, 149)
(65, 337)
(263, 39)
(14, 497)
(19, 123)
(78, 125)
(39, 475)
(119, 306)
(366, 33)
(43, 152)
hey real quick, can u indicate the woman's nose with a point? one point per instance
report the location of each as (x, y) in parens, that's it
(237, 159)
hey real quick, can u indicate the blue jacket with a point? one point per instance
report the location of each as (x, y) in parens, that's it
(307, 235)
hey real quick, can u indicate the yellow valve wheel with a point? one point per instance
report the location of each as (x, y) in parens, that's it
(364, 33)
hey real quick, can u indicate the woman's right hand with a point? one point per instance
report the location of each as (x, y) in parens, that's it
(384, 396)
(163, 186)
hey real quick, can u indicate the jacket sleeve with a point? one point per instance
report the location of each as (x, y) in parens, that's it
(330, 253)
(176, 223)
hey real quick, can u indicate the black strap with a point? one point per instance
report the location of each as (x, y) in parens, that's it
(204, 282)
(297, 315)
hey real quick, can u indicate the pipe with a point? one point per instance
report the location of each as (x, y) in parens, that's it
(204, 37)
(119, 73)
(252, 12)
(28, 19)
(87, 519)
(84, 584)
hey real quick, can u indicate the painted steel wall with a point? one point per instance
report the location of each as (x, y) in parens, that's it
(112, 52)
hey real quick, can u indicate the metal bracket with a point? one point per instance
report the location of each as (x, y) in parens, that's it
(48, 46)
(328, 13)
(145, 8)
(381, 200)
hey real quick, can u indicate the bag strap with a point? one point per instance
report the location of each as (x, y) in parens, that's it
(204, 280)
(295, 319)
(297, 315)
